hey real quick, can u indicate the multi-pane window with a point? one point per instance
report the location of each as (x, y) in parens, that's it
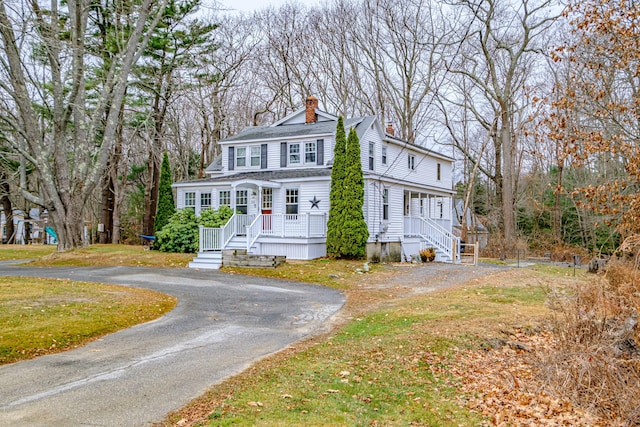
(372, 151)
(241, 156)
(255, 155)
(411, 161)
(241, 201)
(385, 204)
(205, 200)
(225, 198)
(190, 199)
(384, 155)
(294, 153)
(267, 198)
(291, 201)
(310, 150)
(438, 171)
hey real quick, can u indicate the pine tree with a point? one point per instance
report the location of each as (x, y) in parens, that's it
(336, 199)
(354, 228)
(166, 206)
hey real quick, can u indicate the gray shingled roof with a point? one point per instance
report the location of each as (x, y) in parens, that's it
(272, 175)
(287, 131)
(216, 165)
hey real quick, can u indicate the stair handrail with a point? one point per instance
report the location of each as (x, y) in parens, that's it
(253, 231)
(447, 238)
(228, 231)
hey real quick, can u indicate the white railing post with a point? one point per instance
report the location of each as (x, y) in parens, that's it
(200, 238)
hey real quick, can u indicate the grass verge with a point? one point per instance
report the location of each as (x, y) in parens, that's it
(40, 316)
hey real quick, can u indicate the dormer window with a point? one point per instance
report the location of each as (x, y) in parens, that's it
(255, 155)
(294, 153)
(241, 157)
(310, 151)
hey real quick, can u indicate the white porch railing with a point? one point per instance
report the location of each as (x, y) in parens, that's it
(215, 239)
(254, 226)
(435, 234)
(294, 225)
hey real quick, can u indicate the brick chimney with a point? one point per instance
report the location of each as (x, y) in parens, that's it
(389, 129)
(311, 105)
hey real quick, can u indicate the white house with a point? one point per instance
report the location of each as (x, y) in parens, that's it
(278, 177)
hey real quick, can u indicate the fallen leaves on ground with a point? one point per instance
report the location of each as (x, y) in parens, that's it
(504, 386)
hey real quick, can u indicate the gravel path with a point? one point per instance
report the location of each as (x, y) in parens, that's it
(412, 279)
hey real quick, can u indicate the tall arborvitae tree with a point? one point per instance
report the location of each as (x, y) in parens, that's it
(166, 206)
(354, 228)
(336, 199)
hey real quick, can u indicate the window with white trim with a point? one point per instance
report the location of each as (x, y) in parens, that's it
(241, 156)
(310, 152)
(384, 155)
(224, 198)
(291, 201)
(411, 162)
(242, 199)
(385, 204)
(372, 151)
(255, 155)
(190, 200)
(294, 153)
(205, 200)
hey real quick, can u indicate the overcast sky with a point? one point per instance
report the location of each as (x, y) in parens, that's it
(251, 5)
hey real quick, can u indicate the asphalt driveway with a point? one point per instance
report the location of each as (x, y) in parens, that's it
(134, 377)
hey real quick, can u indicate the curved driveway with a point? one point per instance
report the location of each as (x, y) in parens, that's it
(134, 377)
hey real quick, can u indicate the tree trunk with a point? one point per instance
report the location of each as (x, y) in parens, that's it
(509, 172)
(7, 206)
(108, 206)
(69, 226)
(557, 207)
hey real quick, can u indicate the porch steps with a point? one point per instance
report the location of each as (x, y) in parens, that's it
(207, 260)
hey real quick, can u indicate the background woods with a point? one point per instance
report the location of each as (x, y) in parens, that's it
(538, 103)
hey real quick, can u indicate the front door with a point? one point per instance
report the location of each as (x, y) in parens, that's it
(267, 209)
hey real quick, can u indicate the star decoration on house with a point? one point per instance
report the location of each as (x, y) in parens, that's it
(315, 202)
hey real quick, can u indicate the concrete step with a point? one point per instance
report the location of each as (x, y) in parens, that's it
(207, 260)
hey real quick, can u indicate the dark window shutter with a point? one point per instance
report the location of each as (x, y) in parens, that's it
(263, 156)
(283, 154)
(232, 158)
(320, 154)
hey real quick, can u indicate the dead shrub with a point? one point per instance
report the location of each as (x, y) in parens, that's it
(595, 358)
(497, 247)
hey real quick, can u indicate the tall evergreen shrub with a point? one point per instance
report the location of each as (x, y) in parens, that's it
(347, 231)
(354, 228)
(336, 199)
(166, 206)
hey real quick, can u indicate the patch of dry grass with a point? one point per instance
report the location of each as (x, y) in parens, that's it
(112, 255)
(16, 252)
(41, 316)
